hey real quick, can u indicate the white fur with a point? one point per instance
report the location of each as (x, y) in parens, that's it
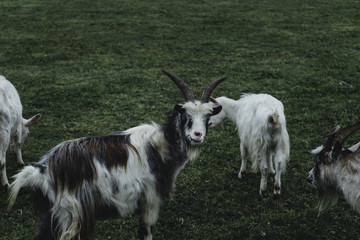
(261, 140)
(136, 183)
(198, 112)
(13, 127)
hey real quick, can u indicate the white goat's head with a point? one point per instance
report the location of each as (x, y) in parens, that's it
(219, 118)
(195, 114)
(335, 166)
(25, 126)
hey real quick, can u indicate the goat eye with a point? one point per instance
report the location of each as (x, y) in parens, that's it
(184, 116)
(320, 160)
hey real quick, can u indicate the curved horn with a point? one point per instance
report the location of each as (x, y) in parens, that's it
(184, 88)
(340, 135)
(209, 89)
(344, 133)
(331, 136)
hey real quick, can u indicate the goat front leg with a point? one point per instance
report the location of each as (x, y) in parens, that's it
(4, 179)
(4, 144)
(17, 148)
(149, 213)
(264, 169)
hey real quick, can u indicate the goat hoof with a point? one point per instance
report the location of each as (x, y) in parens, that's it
(242, 175)
(277, 193)
(276, 196)
(263, 193)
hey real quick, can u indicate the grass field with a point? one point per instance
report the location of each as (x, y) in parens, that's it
(94, 67)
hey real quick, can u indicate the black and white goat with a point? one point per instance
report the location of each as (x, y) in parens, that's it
(337, 169)
(13, 127)
(261, 125)
(87, 178)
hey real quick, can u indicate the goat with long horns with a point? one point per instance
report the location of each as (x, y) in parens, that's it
(114, 175)
(337, 169)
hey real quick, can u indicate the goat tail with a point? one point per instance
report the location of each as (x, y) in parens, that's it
(28, 176)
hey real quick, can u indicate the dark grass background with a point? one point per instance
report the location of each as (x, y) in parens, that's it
(94, 67)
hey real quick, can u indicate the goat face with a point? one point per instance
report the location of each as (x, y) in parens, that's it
(319, 176)
(25, 126)
(334, 165)
(195, 118)
(217, 119)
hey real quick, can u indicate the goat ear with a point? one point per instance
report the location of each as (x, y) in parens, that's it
(213, 100)
(32, 120)
(178, 108)
(355, 148)
(216, 110)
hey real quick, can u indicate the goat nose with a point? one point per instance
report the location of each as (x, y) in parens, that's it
(198, 134)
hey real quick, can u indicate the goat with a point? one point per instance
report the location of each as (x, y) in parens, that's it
(13, 127)
(336, 171)
(91, 177)
(261, 125)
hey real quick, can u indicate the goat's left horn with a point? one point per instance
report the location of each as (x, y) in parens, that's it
(330, 138)
(209, 89)
(344, 133)
(184, 88)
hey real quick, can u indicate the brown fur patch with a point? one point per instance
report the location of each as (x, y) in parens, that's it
(72, 162)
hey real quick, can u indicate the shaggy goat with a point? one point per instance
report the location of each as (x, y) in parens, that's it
(87, 178)
(337, 169)
(13, 127)
(261, 125)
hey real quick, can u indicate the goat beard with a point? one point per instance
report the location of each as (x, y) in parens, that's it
(327, 198)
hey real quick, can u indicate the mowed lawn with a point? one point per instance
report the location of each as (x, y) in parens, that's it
(94, 67)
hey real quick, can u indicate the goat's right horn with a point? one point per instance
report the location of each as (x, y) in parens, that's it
(209, 89)
(339, 135)
(184, 88)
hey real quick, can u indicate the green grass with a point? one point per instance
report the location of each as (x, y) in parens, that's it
(94, 67)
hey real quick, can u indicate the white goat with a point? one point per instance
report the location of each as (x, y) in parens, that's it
(82, 179)
(261, 125)
(337, 169)
(13, 127)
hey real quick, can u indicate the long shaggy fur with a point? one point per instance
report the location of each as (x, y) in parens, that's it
(87, 178)
(261, 125)
(341, 177)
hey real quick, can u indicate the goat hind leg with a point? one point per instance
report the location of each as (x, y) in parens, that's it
(279, 165)
(44, 230)
(264, 175)
(244, 155)
(44, 224)
(272, 172)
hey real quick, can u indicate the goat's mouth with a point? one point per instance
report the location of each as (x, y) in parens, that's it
(195, 141)
(311, 182)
